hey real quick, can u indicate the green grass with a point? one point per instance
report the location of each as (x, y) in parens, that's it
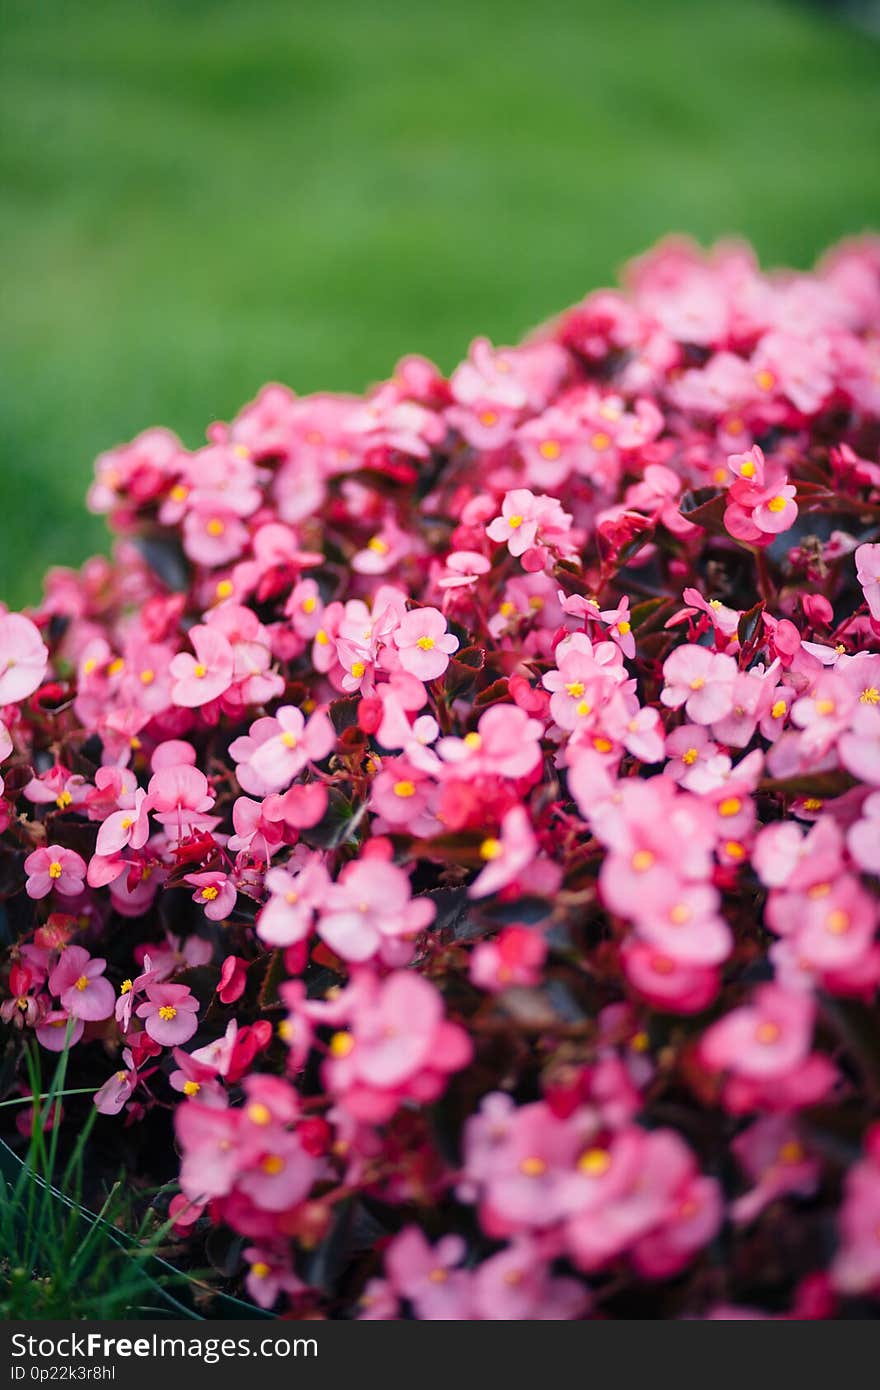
(202, 195)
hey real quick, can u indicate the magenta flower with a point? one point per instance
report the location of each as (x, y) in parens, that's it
(77, 982)
(169, 1013)
(54, 868)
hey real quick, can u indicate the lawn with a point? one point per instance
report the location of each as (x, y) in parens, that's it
(200, 196)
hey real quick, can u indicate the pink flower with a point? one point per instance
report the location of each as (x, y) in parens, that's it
(516, 1285)
(207, 1136)
(515, 958)
(119, 1088)
(426, 1276)
(233, 979)
(518, 522)
(400, 1047)
(23, 658)
(285, 745)
(54, 868)
(505, 856)
(294, 900)
(77, 981)
(423, 643)
(371, 903)
(179, 797)
(130, 826)
(867, 558)
(169, 1013)
(216, 893)
(201, 678)
(856, 1267)
(700, 680)
(764, 1039)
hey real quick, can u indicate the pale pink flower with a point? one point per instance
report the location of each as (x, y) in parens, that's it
(370, 903)
(423, 643)
(283, 746)
(700, 680)
(169, 1013)
(867, 558)
(201, 678)
(23, 658)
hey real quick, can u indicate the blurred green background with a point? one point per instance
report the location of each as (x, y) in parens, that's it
(203, 195)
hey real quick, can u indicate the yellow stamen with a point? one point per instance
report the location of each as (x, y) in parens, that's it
(358, 670)
(82, 983)
(515, 522)
(191, 1088)
(288, 739)
(549, 449)
(730, 806)
(309, 605)
(341, 1044)
(534, 1167)
(55, 869)
(63, 800)
(689, 757)
(776, 504)
(642, 860)
(870, 695)
(778, 709)
(838, 922)
(404, 788)
(167, 1013)
(200, 672)
(259, 1114)
(594, 1162)
(272, 1165)
(261, 1270)
(215, 527)
(791, 1152)
(210, 893)
(767, 1033)
(491, 848)
(426, 644)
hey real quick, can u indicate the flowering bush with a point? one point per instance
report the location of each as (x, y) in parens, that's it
(456, 812)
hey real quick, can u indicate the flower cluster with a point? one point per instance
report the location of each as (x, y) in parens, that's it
(452, 818)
